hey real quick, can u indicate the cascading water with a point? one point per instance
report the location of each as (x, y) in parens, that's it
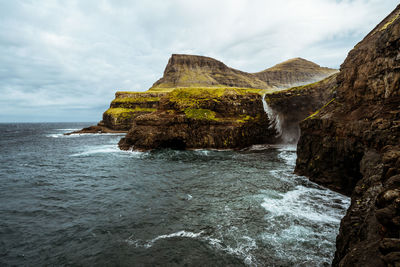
(275, 118)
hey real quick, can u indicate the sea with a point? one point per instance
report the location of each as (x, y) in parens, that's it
(78, 200)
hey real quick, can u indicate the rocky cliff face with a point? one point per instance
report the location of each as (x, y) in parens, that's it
(202, 103)
(190, 118)
(199, 71)
(291, 106)
(352, 146)
(127, 106)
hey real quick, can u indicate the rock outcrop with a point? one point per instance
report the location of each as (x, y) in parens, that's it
(190, 118)
(127, 106)
(95, 130)
(352, 146)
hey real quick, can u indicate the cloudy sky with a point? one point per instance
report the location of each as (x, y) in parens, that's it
(64, 60)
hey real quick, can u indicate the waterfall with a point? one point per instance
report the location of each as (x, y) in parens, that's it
(287, 131)
(275, 118)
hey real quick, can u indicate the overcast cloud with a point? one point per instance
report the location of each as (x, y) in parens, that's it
(64, 60)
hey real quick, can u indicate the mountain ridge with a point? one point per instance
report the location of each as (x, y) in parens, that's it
(200, 71)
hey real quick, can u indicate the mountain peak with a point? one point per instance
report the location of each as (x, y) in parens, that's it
(185, 70)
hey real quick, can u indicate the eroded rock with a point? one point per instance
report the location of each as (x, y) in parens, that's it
(352, 146)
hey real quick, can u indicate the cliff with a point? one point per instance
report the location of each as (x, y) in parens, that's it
(293, 105)
(127, 106)
(190, 118)
(352, 145)
(191, 72)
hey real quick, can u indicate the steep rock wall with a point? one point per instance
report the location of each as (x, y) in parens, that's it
(202, 118)
(127, 106)
(352, 146)
(293, 105)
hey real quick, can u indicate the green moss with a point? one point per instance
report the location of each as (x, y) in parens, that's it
(126, 112)
(214, 91)
(135, 99)
(390, 22)
(193, 96)
(160, 89)
(319, 110)
(244, 118)
(200, 114)
(302, 87)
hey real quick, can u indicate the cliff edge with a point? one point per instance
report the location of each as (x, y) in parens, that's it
(352, 145)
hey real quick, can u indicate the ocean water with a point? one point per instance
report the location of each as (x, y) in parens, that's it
(79, 200)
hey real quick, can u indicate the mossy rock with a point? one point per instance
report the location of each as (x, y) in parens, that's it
(200, 114)
(127, 112)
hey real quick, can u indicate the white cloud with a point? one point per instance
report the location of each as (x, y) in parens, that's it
(63, 55)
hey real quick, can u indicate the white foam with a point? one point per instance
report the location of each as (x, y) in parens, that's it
(148, 244)
(245, 244)
(289, 157)
(304, 203)
(177, 234)
(98, 134)
(202, 152)
(91, 150)
(74, 129)
(62, 135)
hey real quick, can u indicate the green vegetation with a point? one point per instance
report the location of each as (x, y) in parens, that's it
(193, 97)
(193, 101)
(160, 89)
(200, 114)
(126, 112)
(302, 87)
(244, 118)
(319, 110)
(390, 21)
(135, 99)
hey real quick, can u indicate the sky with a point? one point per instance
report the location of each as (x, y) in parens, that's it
(64, 60)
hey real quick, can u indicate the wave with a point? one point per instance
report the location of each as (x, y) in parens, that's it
(302, 218)
(62, 135)
(148, 244)
(67, 129)
(107, 149)
(245, 244)
(305, 203)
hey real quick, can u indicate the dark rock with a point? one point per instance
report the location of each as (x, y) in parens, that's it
(388, 245)
(352, 146)
(188, 119)
(392, 259)
(95, 129)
